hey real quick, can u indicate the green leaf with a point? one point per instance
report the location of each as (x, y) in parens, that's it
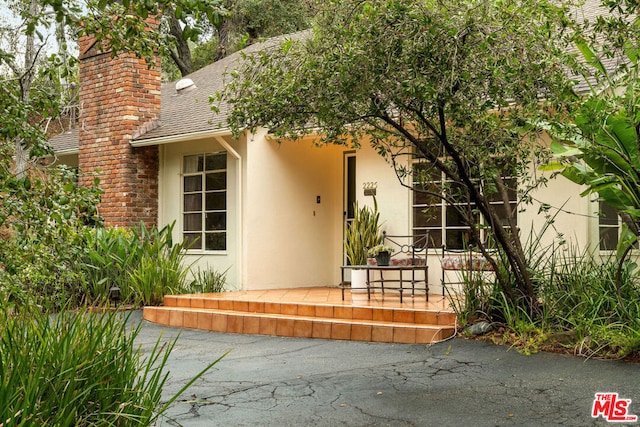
(627, 238)
(589, 56)
(551, 167)
(562, 150)
(577, 173)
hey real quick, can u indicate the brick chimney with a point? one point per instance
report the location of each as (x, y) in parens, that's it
(119, 96)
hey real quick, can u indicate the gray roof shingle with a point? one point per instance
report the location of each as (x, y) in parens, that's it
(65, 142)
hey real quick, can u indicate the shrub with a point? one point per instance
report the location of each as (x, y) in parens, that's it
(207, 281)
(79, 368)
(42, 217)
(144, 264)
(577, 294)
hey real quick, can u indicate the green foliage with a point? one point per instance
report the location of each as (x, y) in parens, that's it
(42, 218)
(204, 54)
(362, 234)
(269, 18)
(581, 294)
(154, 278)
(578, 300)
(600, 147)
(130, 33)
(37, 71)
(79, 368)
(207, 281)
(144, 264)
(451, 82)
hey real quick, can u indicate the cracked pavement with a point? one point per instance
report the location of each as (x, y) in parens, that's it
(275, 381)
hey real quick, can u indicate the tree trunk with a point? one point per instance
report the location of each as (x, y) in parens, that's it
(182, 54)
(26, 80)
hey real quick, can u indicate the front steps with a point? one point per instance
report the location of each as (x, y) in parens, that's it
(331, 320)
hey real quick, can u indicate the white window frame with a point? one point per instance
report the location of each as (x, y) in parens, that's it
(202, 210)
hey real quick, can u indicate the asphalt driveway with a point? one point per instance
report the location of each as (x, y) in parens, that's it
(274, 381)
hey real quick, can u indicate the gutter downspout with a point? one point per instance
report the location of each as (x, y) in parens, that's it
(240, 257)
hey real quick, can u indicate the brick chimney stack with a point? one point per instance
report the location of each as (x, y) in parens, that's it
(119, 96)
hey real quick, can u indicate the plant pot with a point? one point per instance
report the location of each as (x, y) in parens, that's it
(358, 280)
(383, 258)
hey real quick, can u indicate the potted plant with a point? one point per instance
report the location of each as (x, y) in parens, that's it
(381, 253)
(363, 233)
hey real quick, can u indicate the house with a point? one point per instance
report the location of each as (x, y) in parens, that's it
(271, 212)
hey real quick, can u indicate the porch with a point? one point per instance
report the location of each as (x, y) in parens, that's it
(316, 312)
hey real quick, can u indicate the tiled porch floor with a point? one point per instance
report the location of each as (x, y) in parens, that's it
(334, 296)
(312, 313)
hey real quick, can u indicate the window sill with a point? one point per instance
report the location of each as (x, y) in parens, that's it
(205, 252)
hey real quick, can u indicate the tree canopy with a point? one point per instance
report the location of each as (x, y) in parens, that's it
(452, 83)
(242, 23)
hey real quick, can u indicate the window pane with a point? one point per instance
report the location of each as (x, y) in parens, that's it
(420, 198)
(216, 201)
(205, 172)
(430, 217)
(193, 202)
(608, 215)
(608, 238)
(351, 186)
(421, 238)
(192, 241)
(216, 221)
(193, 222)
(503, 212)
(425, 172)
(457, 239)
(454, 217)
(216, 161)
(192, 183)
(216, 241)
(512, 191)
(216, 181)
(193, 164)
(435, 238)
(457, 192)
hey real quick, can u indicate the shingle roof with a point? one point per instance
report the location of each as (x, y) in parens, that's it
(589, 13)
(66, 142)
(190, 111)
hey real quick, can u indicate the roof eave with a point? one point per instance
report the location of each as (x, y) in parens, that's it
(66, 152)
(170, 139)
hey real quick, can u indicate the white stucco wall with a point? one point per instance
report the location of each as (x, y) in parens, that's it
(291, 240)
(394, 201)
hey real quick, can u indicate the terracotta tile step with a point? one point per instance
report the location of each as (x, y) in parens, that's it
(331, 311)
(297, 325)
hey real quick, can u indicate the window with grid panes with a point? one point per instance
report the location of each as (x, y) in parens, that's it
(442, 219)
(204, 224)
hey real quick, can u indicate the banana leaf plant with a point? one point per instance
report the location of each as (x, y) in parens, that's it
(601, 149)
